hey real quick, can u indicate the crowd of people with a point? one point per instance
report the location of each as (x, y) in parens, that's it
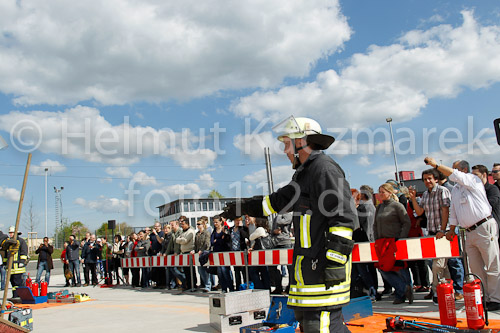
(471, 204)
(396, 212)
(178, 237)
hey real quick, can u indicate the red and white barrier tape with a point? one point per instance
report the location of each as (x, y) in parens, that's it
(408, 249)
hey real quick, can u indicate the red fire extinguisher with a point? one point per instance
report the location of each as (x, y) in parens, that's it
(446, 302)
(28, 281)
(34, 288)
(477, 314)
(43, 288)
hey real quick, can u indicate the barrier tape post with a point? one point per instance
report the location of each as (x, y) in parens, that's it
(245, 258)
(191, 259)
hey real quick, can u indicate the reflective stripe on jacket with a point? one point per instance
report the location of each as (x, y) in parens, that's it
(321, 201)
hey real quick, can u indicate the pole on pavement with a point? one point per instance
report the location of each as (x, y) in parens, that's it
(11, 255)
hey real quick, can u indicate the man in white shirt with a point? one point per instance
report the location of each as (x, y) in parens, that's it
(470, 210)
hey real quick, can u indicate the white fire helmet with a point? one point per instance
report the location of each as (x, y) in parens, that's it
(297, 128)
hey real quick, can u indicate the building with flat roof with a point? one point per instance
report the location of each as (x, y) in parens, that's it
(193, 209)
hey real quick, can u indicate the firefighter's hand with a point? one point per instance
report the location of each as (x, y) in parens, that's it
(12, 245)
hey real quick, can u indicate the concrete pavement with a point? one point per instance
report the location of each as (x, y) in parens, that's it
(123, 309)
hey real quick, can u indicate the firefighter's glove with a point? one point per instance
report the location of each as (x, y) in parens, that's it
(229, 211)
(337, 254)
(251, 206)
(12, 245)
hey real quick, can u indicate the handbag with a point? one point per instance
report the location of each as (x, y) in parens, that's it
(267, 243)
(68, 274)
(204, 257)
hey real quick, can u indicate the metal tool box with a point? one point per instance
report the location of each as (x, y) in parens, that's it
(239, 301)
(233, 322)
(22, 317)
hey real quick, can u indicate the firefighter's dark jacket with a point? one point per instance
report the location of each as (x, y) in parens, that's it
(323, 209)
(20, 258)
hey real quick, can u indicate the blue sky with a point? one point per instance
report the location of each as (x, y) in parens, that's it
(132, 103)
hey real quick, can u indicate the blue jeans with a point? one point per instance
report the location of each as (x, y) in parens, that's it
(74, 267)
(43, 265)
(145, 277)
(179, 274)
(205, 280)
(225, 280)
(456, 268)
(398, 280)
(2, 276)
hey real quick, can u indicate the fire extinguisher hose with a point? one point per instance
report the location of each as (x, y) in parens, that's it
(484, 297)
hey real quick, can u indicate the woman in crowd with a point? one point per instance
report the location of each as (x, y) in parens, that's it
(202, 243)
(361, 275)
(127, 246)
(65, 262)
(136, 275)
(142, 249)
(392, 221)
(259, 275)
(219, 241)
(118, 252)
(239, 234)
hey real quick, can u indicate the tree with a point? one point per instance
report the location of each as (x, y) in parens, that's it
(214, 194)
(76, 228)
(121, 228)
(30, 217)
(124, 229)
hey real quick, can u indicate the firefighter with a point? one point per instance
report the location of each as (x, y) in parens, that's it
(20, 250)
(324, 217)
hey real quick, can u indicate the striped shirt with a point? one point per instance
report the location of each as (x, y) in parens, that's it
(432, 202)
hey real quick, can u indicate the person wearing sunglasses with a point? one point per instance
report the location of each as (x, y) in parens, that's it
(495, 173)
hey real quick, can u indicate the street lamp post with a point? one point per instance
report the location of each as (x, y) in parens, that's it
(389, 120)
(58, 210)
(46, 170)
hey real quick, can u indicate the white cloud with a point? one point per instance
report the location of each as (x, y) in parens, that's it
(139, 177)
(194, 159)
(485, 152)
(142, 178)
(190, 190)
(83, 133)
(207, 180)
(104, 204)
(119, 51)
(10, 194)
(53, 166)
(364, 161)
(282, 175)
(253, 144)
(395, 80)
(121, 172)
